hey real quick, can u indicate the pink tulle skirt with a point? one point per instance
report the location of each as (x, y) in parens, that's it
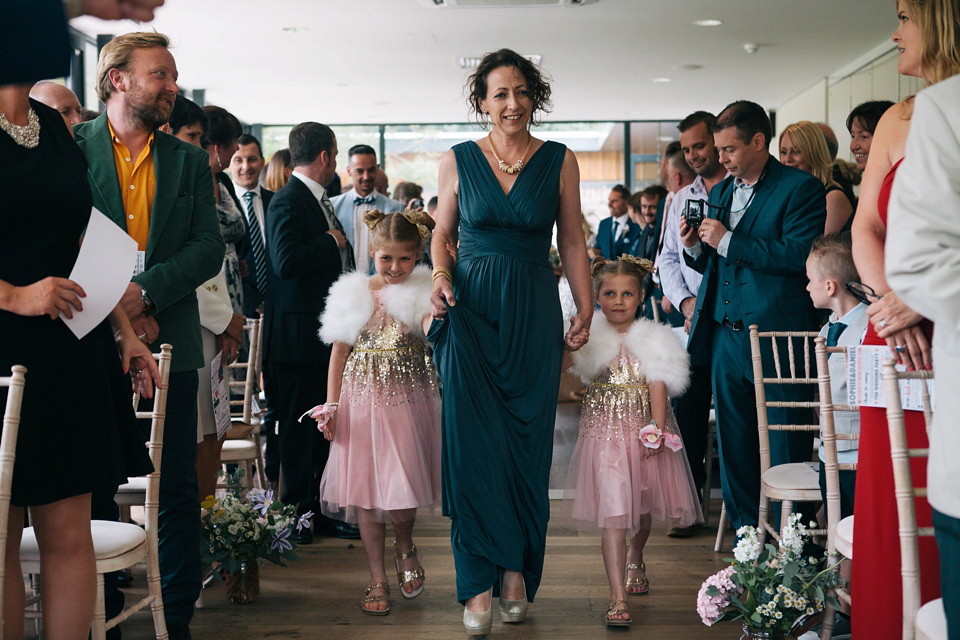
(385, 459)
(614, 484)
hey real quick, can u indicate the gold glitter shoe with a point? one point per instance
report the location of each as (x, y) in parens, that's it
(641, 586)
(513, 611)
(618, 607)
(478, 623)
(409, 575)
(369, 599)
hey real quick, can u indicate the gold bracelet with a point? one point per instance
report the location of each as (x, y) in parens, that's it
(442, 272)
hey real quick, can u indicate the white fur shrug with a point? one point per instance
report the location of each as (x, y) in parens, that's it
(662, 355)
(349, 305)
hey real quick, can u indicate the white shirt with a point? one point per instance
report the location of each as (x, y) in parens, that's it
(742, 197)
(621, 226)
(320, 194)
(845, 421)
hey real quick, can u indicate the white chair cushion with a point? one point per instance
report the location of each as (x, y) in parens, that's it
(134, 485)
(795, 481)
(844, 537)
(931, 622)
(110, 539)
(238, 450)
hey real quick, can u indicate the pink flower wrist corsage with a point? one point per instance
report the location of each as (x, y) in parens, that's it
(321, 413)
(651, 436)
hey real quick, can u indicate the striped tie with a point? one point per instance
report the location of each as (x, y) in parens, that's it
(346, 255)
(256, 241)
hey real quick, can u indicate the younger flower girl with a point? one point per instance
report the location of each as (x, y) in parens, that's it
(383, 420)
(627, 466)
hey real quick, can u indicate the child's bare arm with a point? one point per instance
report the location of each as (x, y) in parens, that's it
(338, 361)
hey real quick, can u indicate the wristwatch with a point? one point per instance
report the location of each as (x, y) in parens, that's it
(148, 305)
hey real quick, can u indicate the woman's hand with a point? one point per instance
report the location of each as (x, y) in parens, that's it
(330, 429)
(889, 315)
(579, 332)
(138, 360)
(911, 347)
(48, 297)
(440, 297)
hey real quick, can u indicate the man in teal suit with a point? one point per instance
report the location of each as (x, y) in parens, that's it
(160, 190)
(752, 253)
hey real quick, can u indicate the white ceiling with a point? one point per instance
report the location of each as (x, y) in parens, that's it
(394, 61)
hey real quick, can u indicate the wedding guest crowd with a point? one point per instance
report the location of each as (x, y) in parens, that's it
(733, 235)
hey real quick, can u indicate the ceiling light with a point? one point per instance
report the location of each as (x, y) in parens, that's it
(687, 67)
(708, 23)
(472, 62)
(661, 80)
(293, 29)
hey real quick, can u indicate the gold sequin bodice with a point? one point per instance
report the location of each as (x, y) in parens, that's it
(388, 365)
(617, 401)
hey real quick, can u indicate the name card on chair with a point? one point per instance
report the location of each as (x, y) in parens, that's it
(865, 380)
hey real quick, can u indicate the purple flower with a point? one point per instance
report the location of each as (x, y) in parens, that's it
(304, 520)
(263, 502)
(280, 542)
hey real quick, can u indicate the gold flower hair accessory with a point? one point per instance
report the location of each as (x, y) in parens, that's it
(413, 217)
(643, 263)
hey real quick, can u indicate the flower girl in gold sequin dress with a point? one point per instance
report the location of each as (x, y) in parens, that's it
(383, 423)
(627, 466)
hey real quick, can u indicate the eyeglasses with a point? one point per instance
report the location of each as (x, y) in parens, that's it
(862, 292)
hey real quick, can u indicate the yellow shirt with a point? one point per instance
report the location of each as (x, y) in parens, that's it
(137, 186)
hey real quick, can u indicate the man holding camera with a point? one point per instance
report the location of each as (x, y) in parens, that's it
(752, 250)
(680, 284)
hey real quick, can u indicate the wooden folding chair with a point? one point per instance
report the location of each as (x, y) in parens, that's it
(8, 452)
(836, 546)
(118, 545)
(792, 482)
(929, 621)
(241, 444)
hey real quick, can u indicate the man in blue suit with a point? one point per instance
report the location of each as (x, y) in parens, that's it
(617, 233)
(752, 256)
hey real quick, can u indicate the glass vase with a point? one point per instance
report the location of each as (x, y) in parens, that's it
(243, 586)
(752, 633)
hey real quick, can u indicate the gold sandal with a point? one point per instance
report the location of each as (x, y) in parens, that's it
(618, 607)
(642, 585)
(368, 599)
(409, 575)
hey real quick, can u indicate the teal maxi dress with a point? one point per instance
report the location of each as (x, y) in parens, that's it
(498, 354)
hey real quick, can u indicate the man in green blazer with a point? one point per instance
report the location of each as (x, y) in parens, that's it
(752, 252)
(160, 190)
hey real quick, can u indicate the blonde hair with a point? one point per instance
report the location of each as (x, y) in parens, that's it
(276, 176)
(809, 141)
(626, 265)
(411, 228)
(939, 25)
(118, 53)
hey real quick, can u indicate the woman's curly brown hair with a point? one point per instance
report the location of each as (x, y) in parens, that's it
(537, 85)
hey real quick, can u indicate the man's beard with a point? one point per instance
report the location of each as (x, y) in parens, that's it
(151, 114)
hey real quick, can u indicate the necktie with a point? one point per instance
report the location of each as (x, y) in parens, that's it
(346, 254)
(256, 242)
(358, 200)
(616, 240)
(833, 333)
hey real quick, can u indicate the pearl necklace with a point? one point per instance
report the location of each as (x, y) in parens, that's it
(27, 135)
(509, 168)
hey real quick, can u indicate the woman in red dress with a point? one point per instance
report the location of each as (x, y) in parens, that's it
(876, 582)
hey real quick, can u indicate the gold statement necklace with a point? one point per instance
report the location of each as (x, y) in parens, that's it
(26, 135)
(510, 168)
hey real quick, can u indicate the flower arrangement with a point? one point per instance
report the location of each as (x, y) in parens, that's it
(768, 588)
(653, 436)
(238, 528)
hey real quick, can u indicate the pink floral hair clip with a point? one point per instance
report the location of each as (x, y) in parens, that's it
(652, 436)
(321, 413)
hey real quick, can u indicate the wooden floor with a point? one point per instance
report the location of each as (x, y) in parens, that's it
(318, 596)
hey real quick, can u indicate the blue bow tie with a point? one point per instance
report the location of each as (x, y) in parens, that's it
(358, 200)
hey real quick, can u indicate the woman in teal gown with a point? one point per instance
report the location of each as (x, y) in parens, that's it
(498, 335)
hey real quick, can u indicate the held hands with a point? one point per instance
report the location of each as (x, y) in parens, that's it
(579, 332)
(48, 297)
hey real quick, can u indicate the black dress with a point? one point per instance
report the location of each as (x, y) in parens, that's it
(77, 428)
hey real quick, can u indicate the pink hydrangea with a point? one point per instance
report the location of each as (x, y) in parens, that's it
(712, 608)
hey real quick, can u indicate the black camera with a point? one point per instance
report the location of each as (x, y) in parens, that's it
(694, 213)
